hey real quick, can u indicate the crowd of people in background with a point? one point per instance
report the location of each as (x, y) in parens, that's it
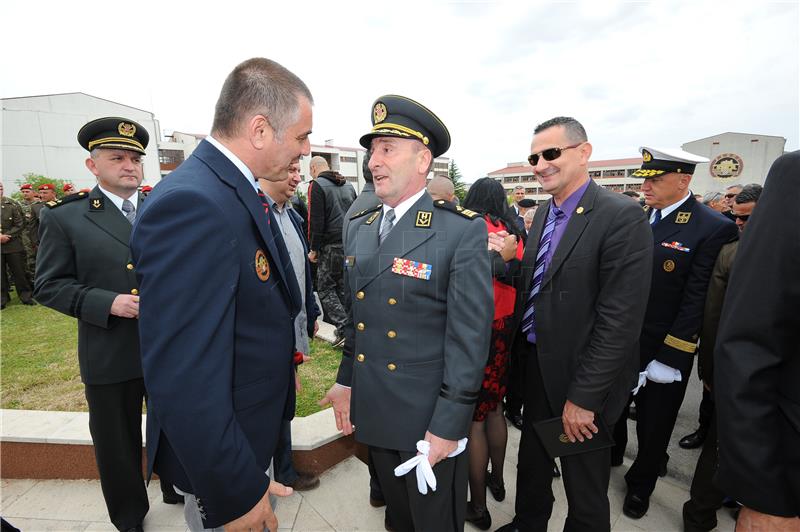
(457, 319)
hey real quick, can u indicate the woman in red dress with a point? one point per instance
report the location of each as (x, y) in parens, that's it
(489, 433)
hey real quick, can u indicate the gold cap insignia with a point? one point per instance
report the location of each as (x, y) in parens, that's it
(126, 129)
(423, 219)
(379, 113)
(262, 265)
(669, 265)
(647, 156)
(682, 217)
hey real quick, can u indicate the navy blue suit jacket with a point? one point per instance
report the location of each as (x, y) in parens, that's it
(217, 331)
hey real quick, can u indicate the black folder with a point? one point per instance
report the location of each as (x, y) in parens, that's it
(555, 441)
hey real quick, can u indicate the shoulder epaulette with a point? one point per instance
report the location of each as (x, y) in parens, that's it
(67, 199)
(367, 211)
(458, 209)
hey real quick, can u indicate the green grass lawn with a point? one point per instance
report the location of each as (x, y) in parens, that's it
(39, 363)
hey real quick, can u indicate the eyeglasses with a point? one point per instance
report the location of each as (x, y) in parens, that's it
(550, 154)
(742, 217)
(729, 196)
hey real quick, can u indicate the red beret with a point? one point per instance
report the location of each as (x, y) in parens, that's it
(47, 186)
(68, 186)
(26, 186)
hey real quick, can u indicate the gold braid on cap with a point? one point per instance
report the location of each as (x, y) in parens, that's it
(377, 128)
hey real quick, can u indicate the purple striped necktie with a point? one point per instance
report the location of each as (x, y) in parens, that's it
(539, 269)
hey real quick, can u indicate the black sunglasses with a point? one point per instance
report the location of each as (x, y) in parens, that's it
(742, 217)
(550, 154)
(729, 196)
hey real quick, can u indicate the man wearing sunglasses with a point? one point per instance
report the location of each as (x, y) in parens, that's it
(687, 239)
(582, 289)
(730, 195)
(700, 512)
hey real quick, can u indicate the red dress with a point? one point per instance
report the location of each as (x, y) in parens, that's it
(495, 374)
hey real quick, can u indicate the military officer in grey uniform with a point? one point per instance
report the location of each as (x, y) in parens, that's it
(84, 270)
(418, 336)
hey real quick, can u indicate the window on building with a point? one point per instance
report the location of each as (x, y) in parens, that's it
(348, 159)
(170, 156)
(594, 174)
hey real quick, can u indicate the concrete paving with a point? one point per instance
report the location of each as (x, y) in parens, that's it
(341, 501)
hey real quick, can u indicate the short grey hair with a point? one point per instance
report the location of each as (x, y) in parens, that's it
(519, 187)
(259, 86)
(711, 197)
(573, 129)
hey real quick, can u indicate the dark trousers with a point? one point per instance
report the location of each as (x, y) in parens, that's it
(443, 510)
(700, 512)
(115, 422)
(657, 407)
(585, 475)
(706, 411)
(375, 491)
(284, 470)
(330, 285)
(515, 394)
(14, 264)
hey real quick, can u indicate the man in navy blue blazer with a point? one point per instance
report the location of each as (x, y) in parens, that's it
(218, 299)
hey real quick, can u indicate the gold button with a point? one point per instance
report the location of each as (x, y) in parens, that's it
(360, 326)
(391, 367)
(360, 357)
(359, 295)
(135, 292)
(392, 301)
(391, 334)
(130, 266)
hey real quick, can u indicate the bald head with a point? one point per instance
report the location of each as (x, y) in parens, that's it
(318, 164)
(441, 188)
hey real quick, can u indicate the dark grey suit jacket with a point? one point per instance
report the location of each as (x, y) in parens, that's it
(591, 305)
(83, 263)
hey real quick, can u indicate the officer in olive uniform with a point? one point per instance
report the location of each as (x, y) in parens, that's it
(12, 227)
(687, 237)
(84, 270)
(421, 287)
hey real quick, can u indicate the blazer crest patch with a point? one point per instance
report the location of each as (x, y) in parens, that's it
(262, 265)
(96, 204)
(683, 217)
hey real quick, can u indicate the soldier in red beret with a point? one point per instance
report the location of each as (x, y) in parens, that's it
(69, 189)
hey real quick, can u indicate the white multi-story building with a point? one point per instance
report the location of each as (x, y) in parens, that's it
(735, 158)
(40, 136)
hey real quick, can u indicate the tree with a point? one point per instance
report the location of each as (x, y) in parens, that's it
(38, 179)
(455, 176)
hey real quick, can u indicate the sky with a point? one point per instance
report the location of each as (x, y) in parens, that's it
(657, 73)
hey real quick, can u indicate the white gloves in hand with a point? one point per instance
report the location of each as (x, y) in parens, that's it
(425, 476)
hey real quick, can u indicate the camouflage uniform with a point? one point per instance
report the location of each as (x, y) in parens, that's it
(30, 238)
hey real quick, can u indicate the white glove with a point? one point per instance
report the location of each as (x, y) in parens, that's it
(425, 476)
(657, 372)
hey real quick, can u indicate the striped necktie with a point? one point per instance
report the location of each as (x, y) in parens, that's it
(386, 225)
(539, 269)
(129, 210)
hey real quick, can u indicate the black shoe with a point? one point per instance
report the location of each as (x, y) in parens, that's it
(479, 518)
(693, 440)
(662, 470)
(30, 302)
(498, 490)
(376, 501)
(556, 471)
(634, 506)
(515, 418)
(137, 528)
(632, 413)
(169, 495)
(338, 341)
(510, 527)
(304, 482)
